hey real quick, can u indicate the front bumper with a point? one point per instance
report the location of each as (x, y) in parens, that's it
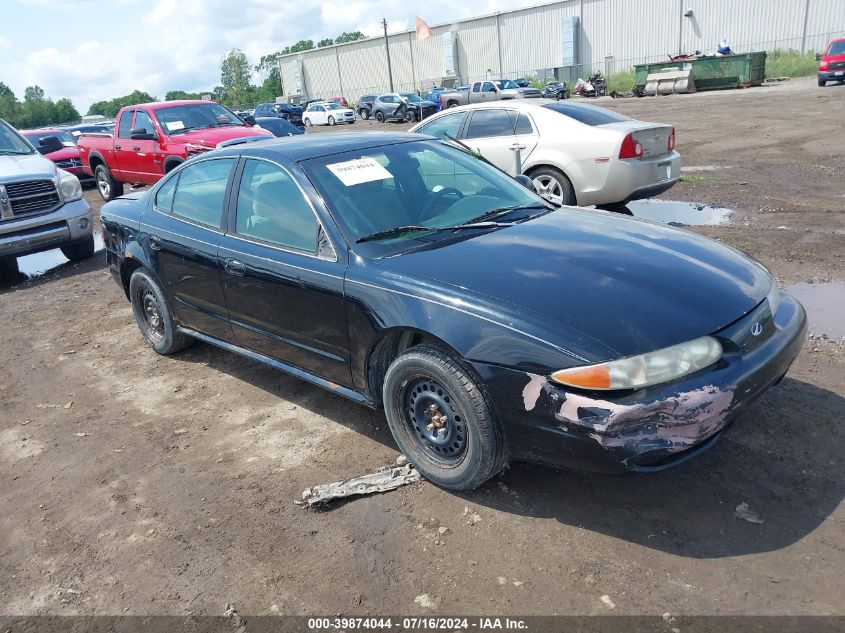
(32, 234)
(647, 430)
(832, 75)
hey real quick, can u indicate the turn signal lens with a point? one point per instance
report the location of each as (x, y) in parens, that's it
(645, 370)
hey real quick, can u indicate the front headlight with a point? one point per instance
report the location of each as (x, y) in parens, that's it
(645, 370)
(774, 296)
(69, 187)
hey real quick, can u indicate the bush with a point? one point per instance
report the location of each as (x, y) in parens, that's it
(790, 63)
(622, 81)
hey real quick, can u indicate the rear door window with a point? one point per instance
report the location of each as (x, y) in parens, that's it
(588, 115)
(489, 123)
(201, 191)
(124, 126)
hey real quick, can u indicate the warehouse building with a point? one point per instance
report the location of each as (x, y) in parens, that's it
(564, 39)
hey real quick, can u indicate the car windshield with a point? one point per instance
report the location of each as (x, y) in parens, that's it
(506, 84)
(837, 48)
(64, 138)
(11, 142)
(410, 96)
(193, 116)
(417, 184)
(586, 114)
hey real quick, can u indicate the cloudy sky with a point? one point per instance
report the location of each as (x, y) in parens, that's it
(90, 50)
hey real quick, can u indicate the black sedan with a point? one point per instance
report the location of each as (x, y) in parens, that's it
(407, 274)
(279, 127)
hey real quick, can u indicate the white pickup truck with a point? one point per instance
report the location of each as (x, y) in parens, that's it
(491, 90)
(41, 206)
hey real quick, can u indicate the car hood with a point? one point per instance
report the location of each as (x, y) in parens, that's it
(65, 153)
(627, 285)
(29, 166)
(210, 137)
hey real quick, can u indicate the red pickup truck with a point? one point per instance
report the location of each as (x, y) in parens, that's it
(150, 139)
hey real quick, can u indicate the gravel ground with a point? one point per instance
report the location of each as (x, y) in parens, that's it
(138, 484)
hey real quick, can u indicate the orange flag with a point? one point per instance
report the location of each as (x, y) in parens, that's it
(423, 29)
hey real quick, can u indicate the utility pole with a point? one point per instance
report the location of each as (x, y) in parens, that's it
(387, 49)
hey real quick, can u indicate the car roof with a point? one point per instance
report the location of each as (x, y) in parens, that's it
(158, 105)
(307, 146)
(45, 130)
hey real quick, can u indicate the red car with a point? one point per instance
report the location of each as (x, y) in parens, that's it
(341, 100)
(150, 139)
(59, 147)
(832, 66)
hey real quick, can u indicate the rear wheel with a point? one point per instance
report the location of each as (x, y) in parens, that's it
(153, 315)
(365, 114)
(108, 187)
(380, 116)
(307, 122)
(441, 420)
(80, 250)
(553, 185)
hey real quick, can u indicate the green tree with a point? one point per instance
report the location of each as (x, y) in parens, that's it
(178, 95)
(235, 75)
(325, 42)
(9, 106)
(66, 112)
(111, 107)
(345, 37)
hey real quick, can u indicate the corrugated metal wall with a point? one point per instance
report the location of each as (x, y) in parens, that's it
(614, 35)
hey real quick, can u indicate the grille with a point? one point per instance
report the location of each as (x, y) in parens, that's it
(70, 162)
(32, 196)
(836, 65)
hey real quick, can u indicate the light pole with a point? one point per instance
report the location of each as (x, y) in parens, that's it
(387, 49)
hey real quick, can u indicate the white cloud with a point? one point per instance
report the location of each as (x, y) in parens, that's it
(4, 43)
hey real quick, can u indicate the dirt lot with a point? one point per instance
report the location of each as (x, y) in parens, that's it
(147, 485)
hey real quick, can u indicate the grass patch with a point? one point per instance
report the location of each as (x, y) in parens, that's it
(791, 63)
(622, 81)
(695, 178)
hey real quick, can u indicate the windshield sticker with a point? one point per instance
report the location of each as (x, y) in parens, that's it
(172, 126)
(358, 171)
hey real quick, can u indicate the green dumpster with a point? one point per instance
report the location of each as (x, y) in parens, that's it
(714, 73)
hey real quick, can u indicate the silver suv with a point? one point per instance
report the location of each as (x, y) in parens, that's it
(41, 206)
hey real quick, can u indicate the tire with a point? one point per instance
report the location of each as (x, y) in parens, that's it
(452, 104)
(554, 186)
(330, 120)
(469, 448)
(380, 116)
(80, 250)
(307, 122)
(822, 83)
(108, 187)
(153, 316)
(365, 114)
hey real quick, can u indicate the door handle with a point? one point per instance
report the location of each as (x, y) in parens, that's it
(117, 146)
(155, 242)
(234, 267)
(136, 149)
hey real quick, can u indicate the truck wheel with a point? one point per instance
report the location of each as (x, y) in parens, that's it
(108, 187)
(554, 186)
(380, 116)
(452, 104)
(822, 83)
(80, 250)
(153, 316)
(441, 420)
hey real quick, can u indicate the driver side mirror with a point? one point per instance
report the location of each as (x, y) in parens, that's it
(140, 134)
(49, 144)
(249, 119)
(526, 182)
(818, 57)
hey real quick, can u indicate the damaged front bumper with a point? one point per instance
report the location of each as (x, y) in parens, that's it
(650, 429)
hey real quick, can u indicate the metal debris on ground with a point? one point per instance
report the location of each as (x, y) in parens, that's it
(747, 514)
(384, 479)
(238, 623)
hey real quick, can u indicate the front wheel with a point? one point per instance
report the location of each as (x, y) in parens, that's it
(153, 316)
(330, 120)
(80, 250)
(441, 420)
(108, 187)
(365, 114)
(822, 83)
(552, 185)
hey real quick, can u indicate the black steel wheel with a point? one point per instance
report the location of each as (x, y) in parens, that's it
(439, 416)
(153, 316)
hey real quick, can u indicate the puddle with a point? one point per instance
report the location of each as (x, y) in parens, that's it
(37, 264)
(825, 305)
(678, 213)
